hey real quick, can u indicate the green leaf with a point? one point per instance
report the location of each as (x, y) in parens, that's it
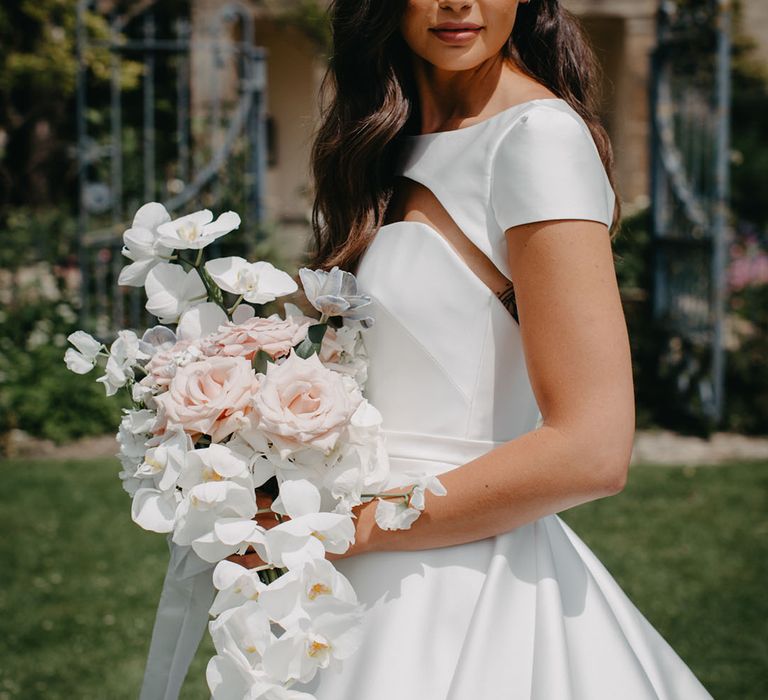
(260, 360)
(313, 342)
(316, 332)
(214, 292)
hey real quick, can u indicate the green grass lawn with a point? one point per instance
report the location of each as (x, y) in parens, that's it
(79, 582)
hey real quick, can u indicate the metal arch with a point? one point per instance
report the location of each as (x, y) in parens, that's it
(690, 144)
(674, 161)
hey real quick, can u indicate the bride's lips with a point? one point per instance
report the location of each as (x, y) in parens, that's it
(456, 32)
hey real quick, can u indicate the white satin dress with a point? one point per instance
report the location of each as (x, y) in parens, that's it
(532, 613)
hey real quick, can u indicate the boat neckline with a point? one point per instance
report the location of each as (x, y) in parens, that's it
(504, 111)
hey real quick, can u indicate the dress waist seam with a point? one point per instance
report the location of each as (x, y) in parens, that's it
(447, 449)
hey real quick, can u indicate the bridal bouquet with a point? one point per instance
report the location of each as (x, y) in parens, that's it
(228, 404)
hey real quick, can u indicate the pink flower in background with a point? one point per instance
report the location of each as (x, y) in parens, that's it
(212, 396)
(272, 334)
(301, 403)
(749, 264)
(748, 271)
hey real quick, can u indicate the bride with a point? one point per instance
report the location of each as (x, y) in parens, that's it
(462, 173)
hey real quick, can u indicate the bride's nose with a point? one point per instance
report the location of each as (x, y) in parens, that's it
(456, 4)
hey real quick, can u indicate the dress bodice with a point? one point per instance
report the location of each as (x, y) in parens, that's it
(446, 357)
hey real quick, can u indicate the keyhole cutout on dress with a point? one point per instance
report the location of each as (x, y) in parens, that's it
(413, 201)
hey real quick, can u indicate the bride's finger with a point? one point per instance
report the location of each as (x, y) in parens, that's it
(248, 560)
(268, 520)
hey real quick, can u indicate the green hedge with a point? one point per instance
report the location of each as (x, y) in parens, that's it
(38, 394)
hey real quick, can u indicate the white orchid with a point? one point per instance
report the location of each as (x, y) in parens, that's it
(251, 442)
(200, 320)
(242, 313)
(155, 496)
(334, 293)
(243, 633)
(157, 339)
(215, 463)
(304, 592)
(207, 509)
(132, 435)
(309, 533)
(141, 244)
(166, 460)
(171, 291)
(124, 353)
(401, 514)
(242, 636)
(229, 677)
(314, 643)
(291, 310)
(235, 585)
(257, 282)
(83, 359)
(155, 510)
(195, 231)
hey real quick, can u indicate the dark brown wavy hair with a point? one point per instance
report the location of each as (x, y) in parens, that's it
(374, 103)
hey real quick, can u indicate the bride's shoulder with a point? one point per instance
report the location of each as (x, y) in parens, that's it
(545, 165)
(544, 120)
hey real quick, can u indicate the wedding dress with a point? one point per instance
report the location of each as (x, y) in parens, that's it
(530, 614)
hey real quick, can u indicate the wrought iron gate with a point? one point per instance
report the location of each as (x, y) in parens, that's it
(690, 108)
(139, 146)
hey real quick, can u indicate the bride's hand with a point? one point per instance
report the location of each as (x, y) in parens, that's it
(250, 559)
(365, 523)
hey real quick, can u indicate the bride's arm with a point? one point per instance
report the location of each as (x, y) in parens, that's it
(577, 353)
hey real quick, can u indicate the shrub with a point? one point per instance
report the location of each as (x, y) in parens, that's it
(38, 394)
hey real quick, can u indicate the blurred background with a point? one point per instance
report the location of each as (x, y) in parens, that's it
(105, 105)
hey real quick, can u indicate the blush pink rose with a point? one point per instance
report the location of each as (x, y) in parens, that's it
(273, 335)
(162, 366)
(301, 403)
(213, 396)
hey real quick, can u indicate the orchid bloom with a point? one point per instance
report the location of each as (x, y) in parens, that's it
(257, 282)
(171, 291)
(314, 643)
(235, 585)
(124, 353)
(304, 592)
(242, 636)
(400, 515)
(205, 512)
(309, 533)
(141, 244)
(195, 231)
(83, 359)
(200, 320)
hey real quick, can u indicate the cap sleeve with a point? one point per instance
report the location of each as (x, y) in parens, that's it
(546, 166)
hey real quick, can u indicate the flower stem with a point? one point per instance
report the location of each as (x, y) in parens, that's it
(232, 308)
(385, 495)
